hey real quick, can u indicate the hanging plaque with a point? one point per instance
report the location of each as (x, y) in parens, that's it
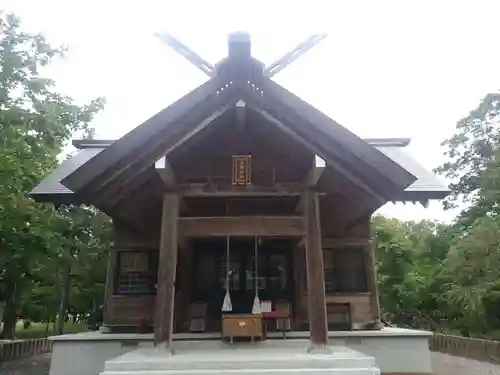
(242, 169)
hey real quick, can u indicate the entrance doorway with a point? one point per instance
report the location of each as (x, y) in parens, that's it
(274, 273)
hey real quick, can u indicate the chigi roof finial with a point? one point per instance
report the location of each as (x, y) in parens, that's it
(239, 48)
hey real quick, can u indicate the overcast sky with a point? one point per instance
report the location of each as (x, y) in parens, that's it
(387, 69)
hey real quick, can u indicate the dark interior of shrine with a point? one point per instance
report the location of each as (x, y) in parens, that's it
(217, 265)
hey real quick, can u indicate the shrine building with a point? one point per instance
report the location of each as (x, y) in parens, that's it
(240, 212)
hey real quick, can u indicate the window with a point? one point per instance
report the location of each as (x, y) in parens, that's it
(137, 272)
(345, 270)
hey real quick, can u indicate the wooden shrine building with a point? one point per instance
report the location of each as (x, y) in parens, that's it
(222, 192)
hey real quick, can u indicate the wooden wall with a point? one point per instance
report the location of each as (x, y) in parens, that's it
(360, 302)
(203, 176)
(128, 310)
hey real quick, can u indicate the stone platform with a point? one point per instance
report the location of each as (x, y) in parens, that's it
(395, 350)
(250, 359)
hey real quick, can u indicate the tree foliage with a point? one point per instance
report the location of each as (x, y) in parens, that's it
(469, 151)
(409, 262)
(447, 276)
(35, 124)
(53, 260)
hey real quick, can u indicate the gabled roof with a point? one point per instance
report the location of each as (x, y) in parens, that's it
(239, 77)
(197, 102)
(341, 149)
(427, 186)
(50, 188)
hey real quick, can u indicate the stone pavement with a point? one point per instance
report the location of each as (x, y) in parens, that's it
(444, 364)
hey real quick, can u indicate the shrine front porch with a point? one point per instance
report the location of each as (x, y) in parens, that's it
(395, 350)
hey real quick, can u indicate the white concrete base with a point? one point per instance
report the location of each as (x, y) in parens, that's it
(395, 350)
(249, 359)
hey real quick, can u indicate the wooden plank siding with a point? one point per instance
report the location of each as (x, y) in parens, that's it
(128, 310)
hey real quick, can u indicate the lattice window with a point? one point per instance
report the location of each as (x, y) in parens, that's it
(136, 272)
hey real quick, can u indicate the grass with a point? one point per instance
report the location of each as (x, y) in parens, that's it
(38, 330)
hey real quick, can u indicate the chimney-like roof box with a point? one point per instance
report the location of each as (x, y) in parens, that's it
(239, 45)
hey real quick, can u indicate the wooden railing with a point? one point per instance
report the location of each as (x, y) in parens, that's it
(24, 348)
(481, 350)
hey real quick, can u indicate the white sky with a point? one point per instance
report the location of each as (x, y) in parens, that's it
(387, 69)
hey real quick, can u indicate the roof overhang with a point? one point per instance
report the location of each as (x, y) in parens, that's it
(101, 168)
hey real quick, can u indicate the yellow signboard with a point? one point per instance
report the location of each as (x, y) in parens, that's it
(242, 169)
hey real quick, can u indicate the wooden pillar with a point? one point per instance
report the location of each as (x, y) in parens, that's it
(315, 274)
(371, 279)
(110, 285)
(167, 265)
(184, 279)
(298, 275)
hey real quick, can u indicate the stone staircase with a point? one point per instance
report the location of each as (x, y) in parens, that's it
(248, 359)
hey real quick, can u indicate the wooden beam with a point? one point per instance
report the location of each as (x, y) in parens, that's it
(167, 142)
(274, 138)
(241, 226)
(150, 133)
(110, 284)
(314, 175)
(167, 174)
(371, 280)
(309, 122)
(228, 190)
(240, 113)
(165, 171)
(332, 243)
(318, 323)
(329, 162)
(167, 266)
(311, 180)
(356, 217)
(132, 187)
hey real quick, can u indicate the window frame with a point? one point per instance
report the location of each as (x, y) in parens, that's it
(152, 272)
(361, 286)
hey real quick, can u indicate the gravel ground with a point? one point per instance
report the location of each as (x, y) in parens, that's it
(38, 365)
(443, 364)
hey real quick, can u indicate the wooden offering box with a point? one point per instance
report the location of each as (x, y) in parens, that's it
(242, 325)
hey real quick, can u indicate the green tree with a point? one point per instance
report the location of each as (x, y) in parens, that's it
(410, 256)
(472, 292)
(35, 124)
(81, 260)
(473, 282)
(396, 280)
(470, 149)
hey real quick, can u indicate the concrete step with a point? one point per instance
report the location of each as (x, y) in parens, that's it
(244, 360)
(365, 371)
